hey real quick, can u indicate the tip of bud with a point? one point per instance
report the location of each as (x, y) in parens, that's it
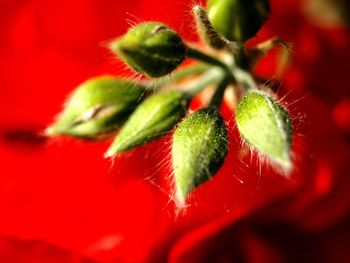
(49, 131)
(180, 199)
(196, 8)
(113, 151)
(109, 154)
(286, 165)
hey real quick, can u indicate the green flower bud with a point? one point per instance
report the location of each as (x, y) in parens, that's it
(200, 145)
(153, 118)
(97, 106)
(238, 20)
(265, 125)
(152, 49)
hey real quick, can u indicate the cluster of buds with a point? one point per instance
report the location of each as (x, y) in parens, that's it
(141, 111)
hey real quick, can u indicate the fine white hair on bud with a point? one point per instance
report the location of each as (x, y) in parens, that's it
(265, 125)
(200, 145)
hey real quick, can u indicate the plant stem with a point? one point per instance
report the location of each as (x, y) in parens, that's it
(216, 100)
(177, 76)
(244, 78)
(212, 76)
(194, 53)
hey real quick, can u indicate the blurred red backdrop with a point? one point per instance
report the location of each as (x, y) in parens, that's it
(60, 201)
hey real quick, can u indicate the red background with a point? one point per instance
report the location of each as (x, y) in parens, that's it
(60, 201)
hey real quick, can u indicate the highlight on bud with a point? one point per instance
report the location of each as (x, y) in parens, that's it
(153, 118)
(265, 125)
(151, 48)
(97, 106)
(238, 20)
(200, 146)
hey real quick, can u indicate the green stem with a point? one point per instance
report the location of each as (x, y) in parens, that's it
(241, 57)
(212, 76)
(194, 53)
(177, 76)
(216, 100)
(240, 69)
(245, 79)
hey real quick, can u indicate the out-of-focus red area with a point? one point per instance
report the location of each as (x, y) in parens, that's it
(60, 201)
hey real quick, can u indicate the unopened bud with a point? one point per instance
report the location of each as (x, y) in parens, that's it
(238, 20)
(152, 118)
(265, 125)
(152, 49)
(200, 145)
(97, 106)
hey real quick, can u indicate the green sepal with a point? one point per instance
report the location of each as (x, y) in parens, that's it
(206, 31)
(238, 20)
(154, 117)
(200, 146)
(152, 49)
(97, 106)
(265, 125)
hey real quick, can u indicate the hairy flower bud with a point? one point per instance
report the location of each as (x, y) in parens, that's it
(97, 106)
(152, 49)
(153, 118)
(200, 145)
(265, 125)
(238, 20)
